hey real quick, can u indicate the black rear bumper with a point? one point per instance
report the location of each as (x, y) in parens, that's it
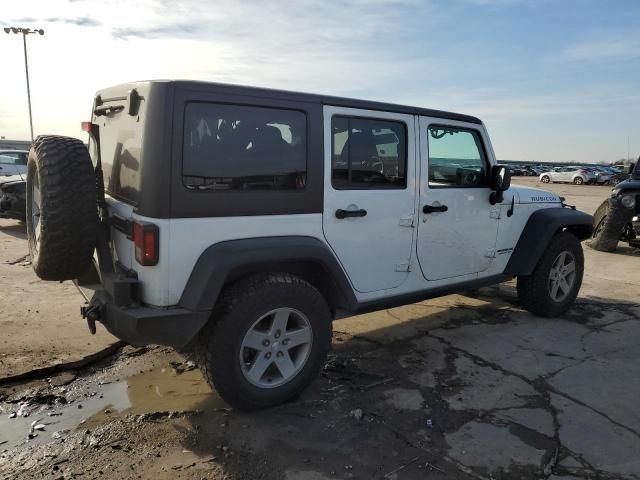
(112, 302)
(139, 326)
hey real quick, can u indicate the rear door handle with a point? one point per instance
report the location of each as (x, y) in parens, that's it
(340, 213)
(433, 209)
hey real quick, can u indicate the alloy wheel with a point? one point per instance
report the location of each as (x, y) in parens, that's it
(562, 276)
(276, 347)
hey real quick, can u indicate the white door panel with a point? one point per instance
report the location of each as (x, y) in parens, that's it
(461, 240)
(374, 248)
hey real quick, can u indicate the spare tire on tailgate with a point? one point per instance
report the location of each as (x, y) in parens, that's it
(62, 213)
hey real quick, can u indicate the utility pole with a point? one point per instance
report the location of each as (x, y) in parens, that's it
(25, 32)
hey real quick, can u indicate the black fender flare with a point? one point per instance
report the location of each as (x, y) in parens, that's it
(226, 261)
(541, 227)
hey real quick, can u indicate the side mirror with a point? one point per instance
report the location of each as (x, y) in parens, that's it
(628, 168)
(500, 182)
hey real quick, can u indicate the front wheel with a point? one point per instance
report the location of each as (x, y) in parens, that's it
(545, 179)
(578, 181)
(609, 221)
(268, 340)
(554, 283)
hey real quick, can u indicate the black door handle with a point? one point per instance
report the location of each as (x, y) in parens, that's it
(350, 213)
(432, 209)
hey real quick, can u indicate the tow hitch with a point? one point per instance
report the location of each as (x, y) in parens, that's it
(91, 313)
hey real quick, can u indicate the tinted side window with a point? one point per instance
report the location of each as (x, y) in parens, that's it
(368, 153)
(232, 147)
(456, 158)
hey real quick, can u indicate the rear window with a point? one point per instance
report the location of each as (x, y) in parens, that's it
(233, 147)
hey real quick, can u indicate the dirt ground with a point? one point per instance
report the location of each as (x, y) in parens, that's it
(453, 388)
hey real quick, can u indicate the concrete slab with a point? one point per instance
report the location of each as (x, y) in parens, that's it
(533, 418)
(605, 445)
(486, 388)
(474, 445)
(404, 398)
(530, 346)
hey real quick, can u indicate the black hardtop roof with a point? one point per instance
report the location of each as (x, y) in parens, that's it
(225, 88)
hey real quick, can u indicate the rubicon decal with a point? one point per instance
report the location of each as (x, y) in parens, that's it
(544, 199)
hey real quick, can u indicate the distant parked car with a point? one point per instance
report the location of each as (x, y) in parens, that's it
(515, 170)
(575, 175)
(13, 162)
(615, 175)
(600, 177)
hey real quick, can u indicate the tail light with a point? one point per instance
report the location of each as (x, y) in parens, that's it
(146, 242)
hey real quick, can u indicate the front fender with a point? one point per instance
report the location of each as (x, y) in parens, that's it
(541, 227)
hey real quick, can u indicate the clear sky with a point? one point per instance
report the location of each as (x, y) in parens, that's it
(553, 80)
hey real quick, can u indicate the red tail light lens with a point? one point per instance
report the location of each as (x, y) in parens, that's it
(146, 241)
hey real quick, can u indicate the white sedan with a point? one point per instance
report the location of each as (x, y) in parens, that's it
(575, 175)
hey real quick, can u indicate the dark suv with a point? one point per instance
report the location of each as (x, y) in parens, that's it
(617, 218)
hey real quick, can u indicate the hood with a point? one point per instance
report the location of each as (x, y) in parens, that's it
(532, 195)
(11, 179)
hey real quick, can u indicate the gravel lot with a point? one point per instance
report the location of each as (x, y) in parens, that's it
(453, 388)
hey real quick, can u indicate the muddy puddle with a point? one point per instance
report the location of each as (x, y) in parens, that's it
(87, 403)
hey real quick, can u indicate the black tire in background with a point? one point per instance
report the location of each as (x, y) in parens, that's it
(219, 346)
(608, 224)
(62, 214)
(545, 179)
(534, 290)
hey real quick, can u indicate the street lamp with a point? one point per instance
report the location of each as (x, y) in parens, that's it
(25, 32)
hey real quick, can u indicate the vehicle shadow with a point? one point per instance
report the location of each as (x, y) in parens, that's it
(15, 228)
(626, 251)
(345, 416)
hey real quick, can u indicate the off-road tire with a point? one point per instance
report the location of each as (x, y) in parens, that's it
(62, 168)
(578, 181)
(608, 224)
(533, 290)
(545, 179)
(217, 348)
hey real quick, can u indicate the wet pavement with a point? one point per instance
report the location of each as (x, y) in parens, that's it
(461, 388)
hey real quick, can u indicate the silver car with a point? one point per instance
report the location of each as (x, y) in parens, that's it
(579, 176)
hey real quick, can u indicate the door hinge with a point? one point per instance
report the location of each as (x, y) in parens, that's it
(406, 221)
(403, 267)
(494, 213)
(491, 253)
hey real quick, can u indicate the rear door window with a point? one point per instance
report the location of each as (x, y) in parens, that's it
(234, 147)
(368, 153)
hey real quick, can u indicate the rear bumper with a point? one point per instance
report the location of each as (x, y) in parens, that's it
(139, 326)
(136, 324)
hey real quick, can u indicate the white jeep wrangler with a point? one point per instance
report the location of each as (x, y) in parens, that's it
(238, 222)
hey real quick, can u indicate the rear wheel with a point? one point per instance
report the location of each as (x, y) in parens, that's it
(554, 284)
(267, 342)
(61, 207)
(608, 224)
(545, 179)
